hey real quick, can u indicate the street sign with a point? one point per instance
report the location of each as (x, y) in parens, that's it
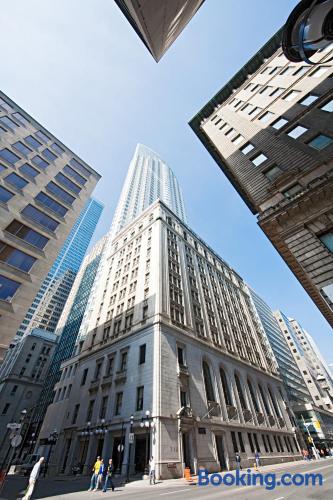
(13, 426)
(131, 437)
(120, 447)
(16, 441)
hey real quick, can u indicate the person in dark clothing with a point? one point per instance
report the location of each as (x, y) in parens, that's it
(108, 477)
(238, 462)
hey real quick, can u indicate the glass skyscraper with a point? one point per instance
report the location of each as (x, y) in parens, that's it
(49, 302)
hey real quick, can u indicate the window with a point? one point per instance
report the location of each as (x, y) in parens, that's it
(49, 155)
(32, 142)
(51, 204)
(327, 240)
(180, 356)
(16, 180)
(301, 71)
(57, 148)
(225, 387)
(266, 116)
(43, 137)
(183, 398)
(309, 99)
(84, 376)
(75, 414)
(249, 435)
(5, 106)
(142, 354)
(4, 120)
(317, 73)
(119, 402)
(62, 179)
(320, 142)
(288, 70)
(80, 167)
(60, 193)
(277, 92)
(208, 382)
(234, 441)
(259, 159)
(8, 288)
(90, 410)
(27, 234)
(279, 123)
(328, 106)
(104, 405)
(14, 389)
(123, 361)
(256, 442)
(5, 409)
(247, 148)
(68, 170)
(240, 392)
(5, 195)
(21, 119)
(22, 148)
(139, 398)
(272, 173)
(39, 217)
(297, 131)
(291, 95)
(238, 139)
(241, 443)
(109, 366)
(39, 162)
(28, 170)
(9, 156)
(16, 258)
(290, 192)
(230, 132)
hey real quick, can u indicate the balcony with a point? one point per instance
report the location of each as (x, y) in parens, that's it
(120, 376)
(232, 412)
(94, 384)
(281, 422)
(260, 418)
(247, 414)
(107, 381)
(271, 420)
(183, 370)
(213, 409)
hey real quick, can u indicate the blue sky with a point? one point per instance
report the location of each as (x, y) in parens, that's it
(79, 68)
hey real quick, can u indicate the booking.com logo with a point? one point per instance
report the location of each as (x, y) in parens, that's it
(249, 478)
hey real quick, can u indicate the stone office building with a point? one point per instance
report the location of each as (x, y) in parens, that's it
(43, 186)
(270, 130)
(174, 357)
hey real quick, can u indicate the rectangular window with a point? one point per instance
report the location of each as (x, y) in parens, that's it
(8, 288)
(5, 195)
(297, 131)
(288, 70)
(16, 258)
(139, 398)
(51, 204)
(290, 192)
(9, 156)
(279, 123)
(43, 137)
(238, 139)
(49, 155)
(7, 122)
(84, 376)
(75, 414)
(265, 444)
(57, 148)
(328, 106)
(20, 118)
(119, 402)
(142, 354)
(241, 443)
(259, 159)
(230, 132)
(70, 171)
(4, 105)
(266, 117)
(269, 443)
(22, 148)
(62, 179)
(180, 356)
(104, 405)
(28, 170)
(90, 410)
(291, 95)
(277, 92)
(320, 71)
(5, 409)
(123, 361)
(250, 441)
(32, 142)
(60, 193)
(234, 442)
(309, 99)
(256, 442)
(27, 234)
(247, 148)
(39, 217)
(320, 142)
(16, 180)
(80, 167)
(301, 71)
(39, 162)
(327, 240)
(272, 173)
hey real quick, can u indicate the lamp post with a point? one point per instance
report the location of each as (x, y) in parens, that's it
(32, 442)
(130, 441)
(4, 469)
(146, 422)
(51, 441)
(84, 433)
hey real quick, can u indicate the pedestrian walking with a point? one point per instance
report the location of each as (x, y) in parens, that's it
(95, 471)
(108, 477)
(238, 462)
(33, 479)
(152, 478)
(100, 475)
(257, 457)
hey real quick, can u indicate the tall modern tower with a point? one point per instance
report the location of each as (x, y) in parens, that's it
(49, 302)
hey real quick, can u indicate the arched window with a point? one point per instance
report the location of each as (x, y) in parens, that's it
(225, 387)
(264, 400)
(240, 392)
(276, 408)
(208, 381)
(253, 396)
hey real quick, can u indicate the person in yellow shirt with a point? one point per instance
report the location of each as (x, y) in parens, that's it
(95, 470)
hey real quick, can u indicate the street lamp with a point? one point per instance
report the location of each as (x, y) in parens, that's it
(130, 441)
(51, 441)
(146, 422)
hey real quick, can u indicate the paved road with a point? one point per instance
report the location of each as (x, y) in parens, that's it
(76, 489)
